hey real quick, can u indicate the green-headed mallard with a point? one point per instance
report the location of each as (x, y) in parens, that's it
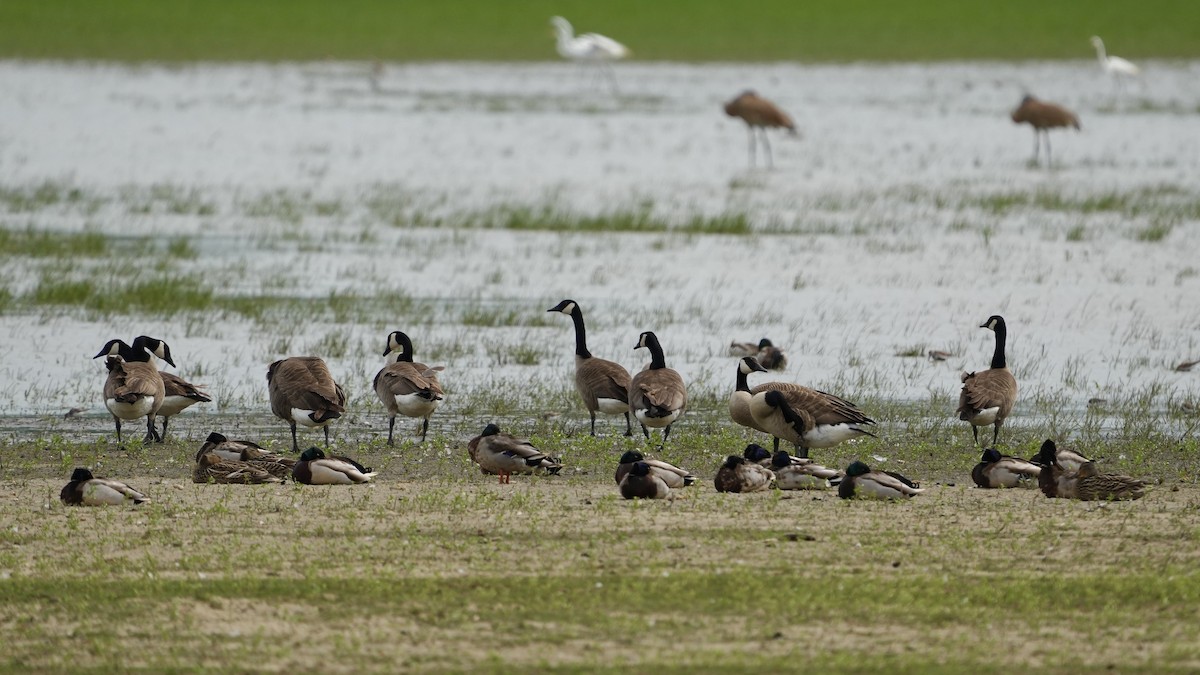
(673, 476)
(802, 475)
(603, 385)
(995, 470)
(211, 468)
(643, 482)
(405, 387)
(1049, 453)
(505, 454)
(314, 468)
(1095, 486)
(758, 454)
(861, 481)
(988, 395)
(87, 490)
(737, 474)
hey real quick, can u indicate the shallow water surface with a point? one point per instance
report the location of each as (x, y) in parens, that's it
(905, 215)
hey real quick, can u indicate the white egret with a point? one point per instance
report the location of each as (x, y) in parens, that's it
(588, 48)
(1116, 67)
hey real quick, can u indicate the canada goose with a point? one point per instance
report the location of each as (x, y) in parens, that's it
(770, 356)
(87, 490)
(505, 454)
(657, 396)
(759, 114)
(739, 403)
(1043, 117)
(671, 475)
(737, 474)
(314, 468)
(790, 475)
(407, 388)
(213, 468)
(995, 470)
(1092, 485)
(861, 481)
(643, 482)
(1049, 453)
(603, 385)
(805, 417)
(988, 396)
(245, 451)
(303, 392)
(179, 394)
(588, 48)
(133, 389)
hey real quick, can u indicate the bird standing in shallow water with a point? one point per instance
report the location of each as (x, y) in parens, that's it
(759, 114)
(588, 48)
(1116, 67)
(1043, 117)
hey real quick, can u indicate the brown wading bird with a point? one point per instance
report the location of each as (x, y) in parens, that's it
(759, 114)
(407, 388)
(603, 385)
(303, 392)
(1043, 117)
(988, 396)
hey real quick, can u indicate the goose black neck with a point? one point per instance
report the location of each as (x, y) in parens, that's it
(139, 351)
(1001, 337)
(742, 385)
(406, 350)
(657, 361)
(581, 349)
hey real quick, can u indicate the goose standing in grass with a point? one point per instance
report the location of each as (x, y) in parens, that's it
(588, 48)
(657, 396)
(802, 475)
(995, 470)
(504, 454)
(303, 392)
(179, 394)
(212, 467)
(1091, 485)
(988, 396)
(603, 385)
(314, 468)
(245, 451)
(805, 417)
(1114, 66)
(643, 482)
(1043, 117)
(671, 475)
(860, 481)
(133, 389)
(405, 387)
(87, 490)
(759, 114)
(738, 474)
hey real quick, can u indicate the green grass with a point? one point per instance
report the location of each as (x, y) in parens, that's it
(677, 30)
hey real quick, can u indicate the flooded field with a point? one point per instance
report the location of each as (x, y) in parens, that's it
(249, 212)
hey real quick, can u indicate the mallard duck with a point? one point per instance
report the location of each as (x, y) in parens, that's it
(803, 475)
(738, 474)
(505, 454)
(211, 468)
(1095, 486)
(87, 490)
(1050, 453)
(603, 385)
(405, 387)
(861, 481)
(643, 482)
(988, 396)
(770, 356)
(246, 451)
(743, 349)
(995, 470)
(314, 468)
(759, 455)
(672, 475)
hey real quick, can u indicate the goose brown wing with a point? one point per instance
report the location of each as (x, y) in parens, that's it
(605, 379)
(987, 389)
(662, 388)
